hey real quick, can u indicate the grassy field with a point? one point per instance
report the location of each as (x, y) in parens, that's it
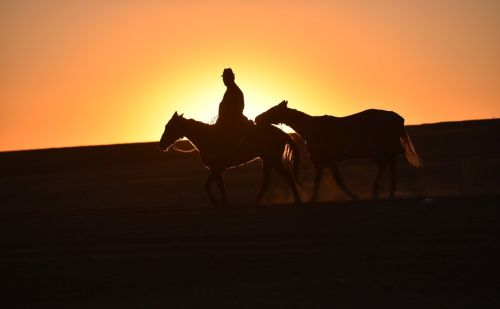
(128, 226)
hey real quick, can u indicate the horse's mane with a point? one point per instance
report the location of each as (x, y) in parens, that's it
(296, 111)
(198, 123)
(326, 119)
(303, 114)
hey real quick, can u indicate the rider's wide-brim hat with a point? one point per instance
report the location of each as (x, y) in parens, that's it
(227, 72)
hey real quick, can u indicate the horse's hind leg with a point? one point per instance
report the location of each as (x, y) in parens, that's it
(392, 167)
(317, 183)
(381, 168)
(266, 175)
(208, 188)
(289, 180)
(336, 175)
(222, 188)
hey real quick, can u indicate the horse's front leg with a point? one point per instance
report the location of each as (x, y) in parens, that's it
(336, 175)
(208, 188)
(222, 188)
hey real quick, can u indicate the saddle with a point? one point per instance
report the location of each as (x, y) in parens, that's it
(230, 136)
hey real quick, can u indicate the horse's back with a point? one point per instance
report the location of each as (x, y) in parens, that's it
(372, 117)
(376, 128)
(356, 135)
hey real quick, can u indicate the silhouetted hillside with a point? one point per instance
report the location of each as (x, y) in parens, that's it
(460, 158)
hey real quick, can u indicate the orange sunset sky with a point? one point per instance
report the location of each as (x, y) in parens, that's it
(86, 72)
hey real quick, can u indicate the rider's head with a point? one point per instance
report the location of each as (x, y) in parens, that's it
(228, 77)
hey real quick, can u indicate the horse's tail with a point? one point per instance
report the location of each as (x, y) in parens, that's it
(409, 150)
(292, 154)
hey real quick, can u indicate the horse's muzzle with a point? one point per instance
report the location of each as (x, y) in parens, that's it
(162, 147)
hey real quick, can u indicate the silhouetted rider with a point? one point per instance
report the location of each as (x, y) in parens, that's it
(231, 118)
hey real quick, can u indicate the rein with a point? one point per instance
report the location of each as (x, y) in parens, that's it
(175, 148)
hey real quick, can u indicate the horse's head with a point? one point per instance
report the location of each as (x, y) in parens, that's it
(274, 115)
(173, 131)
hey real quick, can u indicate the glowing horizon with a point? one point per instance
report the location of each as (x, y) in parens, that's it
(94, 72)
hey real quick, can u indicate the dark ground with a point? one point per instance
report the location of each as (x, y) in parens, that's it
(127, 226)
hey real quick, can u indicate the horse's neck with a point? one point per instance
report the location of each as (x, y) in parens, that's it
(197, 132)
(300, 122)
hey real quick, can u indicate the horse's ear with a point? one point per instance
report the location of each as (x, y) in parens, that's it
(174, 115)
(181, 115)
(284, 103)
